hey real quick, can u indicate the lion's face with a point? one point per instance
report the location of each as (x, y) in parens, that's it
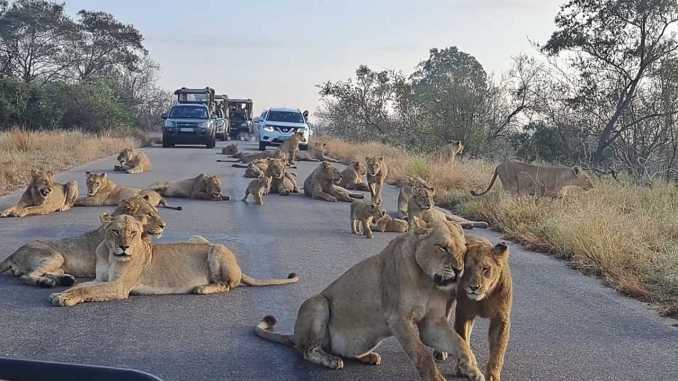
(440, 253)
(359, 168)
(422, 194)
(582, 179)
(125, 156)
(42, 183)
(482, 268)
(374, 165)
(376, 211)
(331, 173)
(299, 136)
(276, 168)
(143, 211)
(122, 235)
(212, 186)
(95, 182)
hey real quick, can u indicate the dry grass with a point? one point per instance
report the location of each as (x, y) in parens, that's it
(626, 234)
(20, 151)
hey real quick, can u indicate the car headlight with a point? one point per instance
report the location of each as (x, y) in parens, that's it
(170, 123)
(268, 128)
(203, 124)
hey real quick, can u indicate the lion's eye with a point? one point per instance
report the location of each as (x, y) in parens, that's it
(486, 270)
(115, 233)
(133, 233)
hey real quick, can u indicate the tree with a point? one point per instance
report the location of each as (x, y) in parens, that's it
(104, 45)
(33, 35)
(616, 43)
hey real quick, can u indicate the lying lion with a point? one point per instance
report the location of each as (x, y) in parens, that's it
(43, 196)
(322, 184)
(58, 262)
(401, 292)
(133, 161)
(102, 191)
(536, 180)
(315, 153)
(201, 187)
(128, 264)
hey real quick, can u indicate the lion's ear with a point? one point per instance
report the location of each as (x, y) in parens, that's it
(103, 174)
(501, 250)
(105, 218)
(146, 197)
(381, 158)
(576, 171)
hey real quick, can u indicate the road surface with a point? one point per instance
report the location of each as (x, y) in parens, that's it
(565, 326)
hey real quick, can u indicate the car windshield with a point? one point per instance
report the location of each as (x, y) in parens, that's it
(188, 112)
(285, 116)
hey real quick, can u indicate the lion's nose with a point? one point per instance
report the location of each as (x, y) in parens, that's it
(162, 225)
(474, 287)
(124, 247)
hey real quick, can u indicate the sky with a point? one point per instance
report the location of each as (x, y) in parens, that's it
(277, 52)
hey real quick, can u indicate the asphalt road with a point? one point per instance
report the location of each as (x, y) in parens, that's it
(565, 326)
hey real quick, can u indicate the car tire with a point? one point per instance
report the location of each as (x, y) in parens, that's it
(262, 146)
(166, 143)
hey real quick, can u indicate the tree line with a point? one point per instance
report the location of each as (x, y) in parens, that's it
(601, 92)
(91, 73)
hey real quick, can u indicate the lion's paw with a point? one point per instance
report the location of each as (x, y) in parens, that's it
(63, 299)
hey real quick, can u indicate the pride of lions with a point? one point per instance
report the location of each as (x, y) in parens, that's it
(429, 275)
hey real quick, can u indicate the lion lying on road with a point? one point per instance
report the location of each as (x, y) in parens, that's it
(522, 178)
(133, 161)
(401, 292)
(43, 196)
(102, 191)
(322, 184)
(58, 262)
(129, 264)
(201, 187)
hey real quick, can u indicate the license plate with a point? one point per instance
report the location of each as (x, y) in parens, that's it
(186, 129)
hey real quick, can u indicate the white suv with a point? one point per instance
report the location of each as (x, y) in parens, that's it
(276, 125)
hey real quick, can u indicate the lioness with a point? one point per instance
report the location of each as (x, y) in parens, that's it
(400, 292)
(58, 262)
(315, 153)
(247, 157)
(291, 146)
(486, 290)
(231, 149)
(283, 181)
(322, 184)
(449, 152)
(362, 215)
(254, 169)
(418, 188)
(522, 178)
(386, 223)
(352, 177)
(43, 196)
(129, 264)
(102, 191)
(376, 176)
(201, 187)
(258, 188)
(133, 161)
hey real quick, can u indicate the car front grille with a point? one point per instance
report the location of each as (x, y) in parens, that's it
(285, 129)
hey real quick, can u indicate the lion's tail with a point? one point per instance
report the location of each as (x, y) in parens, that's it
(158, 187)
(239, 166)
(494, 177)
(250, 281)
(163, 204)
(265, 330)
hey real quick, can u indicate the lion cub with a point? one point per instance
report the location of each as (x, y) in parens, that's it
(291, 146)
(376, 176)
(389, 224)
(258, 188)
(362, 214)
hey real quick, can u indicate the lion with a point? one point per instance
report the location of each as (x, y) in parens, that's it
(44, 196)
(522, 178)
(362, 215)
(291, 146)
(449, 152)
(283, 182)
(247, 157)
(322, 184)
(414, 186)
(258, 188)
(402, 292)
(128, 263)
(201, 187)
(133, 161)
(376, 176)
(58, 262)
(386, 223)
(352, 177)
(102, 191)
(254, 169)
(231, 149)
(315, 154)
(485, 290)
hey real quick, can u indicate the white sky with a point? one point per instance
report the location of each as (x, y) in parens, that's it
(276, 52)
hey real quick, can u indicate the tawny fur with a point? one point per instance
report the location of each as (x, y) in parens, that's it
(401, 292)
(291, 146)
(362, 215)
(322, 184)
(201, 187)
(258, 188)
(133, 161)
(376, 177)
(128, 264)
(102, 191)
(386, 223)
(353, 177)
(43, 196)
